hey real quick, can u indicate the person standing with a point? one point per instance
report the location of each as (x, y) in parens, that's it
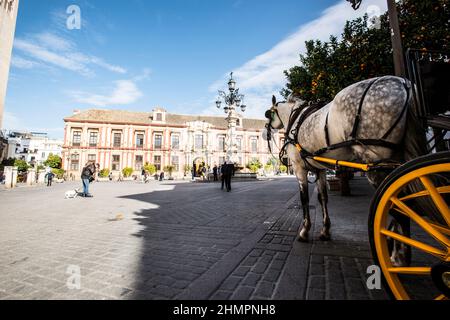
(215, 173)
(229, 168)
(223, 173)
(50, 176)
(87, 176)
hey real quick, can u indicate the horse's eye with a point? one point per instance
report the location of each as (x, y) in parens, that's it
(269, 114)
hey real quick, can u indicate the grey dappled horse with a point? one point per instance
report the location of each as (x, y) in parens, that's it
(386, 113)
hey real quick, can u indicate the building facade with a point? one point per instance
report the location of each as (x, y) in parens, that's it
(32, 147)
(8, 17)
(121, 139)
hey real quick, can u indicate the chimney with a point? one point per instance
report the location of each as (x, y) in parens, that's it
(76, 112)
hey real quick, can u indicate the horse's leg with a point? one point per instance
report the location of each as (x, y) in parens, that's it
(302, 177)
(323, 200)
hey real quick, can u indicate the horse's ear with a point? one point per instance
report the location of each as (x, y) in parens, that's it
(274, 100)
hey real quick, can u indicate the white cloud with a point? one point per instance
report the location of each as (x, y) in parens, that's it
(263, 76)
(21, 63)
(12, 122)
(54, 50)
(125, 92)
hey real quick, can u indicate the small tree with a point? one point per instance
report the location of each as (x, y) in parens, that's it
(53, 161)
(127, 172)
(254, 165)
(22, 165)
(187, 169)
(59, 173)
(104, 173)
(169, 169)
(283, 168)
(150, 168)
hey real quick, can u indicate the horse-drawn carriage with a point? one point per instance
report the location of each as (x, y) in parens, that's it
(409, 220)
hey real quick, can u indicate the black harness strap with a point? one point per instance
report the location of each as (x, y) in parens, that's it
(327, 135)
(361, 103)
(388, 133)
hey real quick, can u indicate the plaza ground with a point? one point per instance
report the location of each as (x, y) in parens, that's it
(181, 240)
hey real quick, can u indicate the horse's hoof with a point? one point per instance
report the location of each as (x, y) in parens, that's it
(325, 237)
(303, 236)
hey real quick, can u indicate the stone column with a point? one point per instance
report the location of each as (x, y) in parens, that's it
(31, 177)
(41, 177)
(8, 172)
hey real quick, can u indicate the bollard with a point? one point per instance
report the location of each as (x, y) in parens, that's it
(15, 171)
(41, 177)
(31, 177)
(8, 172)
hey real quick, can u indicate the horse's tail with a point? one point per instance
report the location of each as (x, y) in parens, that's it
(415, 139)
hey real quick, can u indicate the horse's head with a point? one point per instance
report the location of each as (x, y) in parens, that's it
(273, 120)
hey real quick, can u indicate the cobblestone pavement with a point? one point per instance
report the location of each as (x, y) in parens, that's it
(179, 241)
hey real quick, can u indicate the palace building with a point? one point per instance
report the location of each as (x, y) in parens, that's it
(122, 139)
(8, 17)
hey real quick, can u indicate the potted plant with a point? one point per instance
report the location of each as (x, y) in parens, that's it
(127, 172)
(169, 169)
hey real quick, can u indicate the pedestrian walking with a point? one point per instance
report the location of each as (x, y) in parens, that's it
(161, 176)
(50, 176)
(88, 176)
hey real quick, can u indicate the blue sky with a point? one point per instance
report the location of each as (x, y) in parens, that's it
(138, 54)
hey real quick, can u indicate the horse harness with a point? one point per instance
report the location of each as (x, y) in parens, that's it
(291, 134)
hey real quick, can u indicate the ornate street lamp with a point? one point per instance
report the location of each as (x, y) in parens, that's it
(233, 100)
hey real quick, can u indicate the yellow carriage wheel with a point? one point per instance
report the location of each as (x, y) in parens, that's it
(419, 191)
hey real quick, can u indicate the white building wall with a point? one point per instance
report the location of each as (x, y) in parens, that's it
(8, 17)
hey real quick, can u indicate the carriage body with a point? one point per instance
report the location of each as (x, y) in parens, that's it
(410, 215)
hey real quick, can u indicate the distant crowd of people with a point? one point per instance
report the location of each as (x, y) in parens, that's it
(224, 172)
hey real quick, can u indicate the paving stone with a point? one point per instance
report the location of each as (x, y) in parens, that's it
(265, 289)
(251, 279)
(243, 293)
(231, 283)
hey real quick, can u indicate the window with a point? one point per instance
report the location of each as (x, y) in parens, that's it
(254, 145)
(115, 163)
(139, 140)
(117, 142)
(239, 143)
(76, 139)
(43, 155)
(176, 163)
(175, 142)
(139, 163)
(198, 141)
(238, 122)
(157, 162)
(158, 141)
(92, 158)
(74, 162)
(93, 138)
(159, 117)
(221, 143)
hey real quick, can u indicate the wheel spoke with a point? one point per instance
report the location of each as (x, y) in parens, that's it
(437, 198)
(421, 222)
(426, 193)
(411, 270)
(439, 227)
(419, 245)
